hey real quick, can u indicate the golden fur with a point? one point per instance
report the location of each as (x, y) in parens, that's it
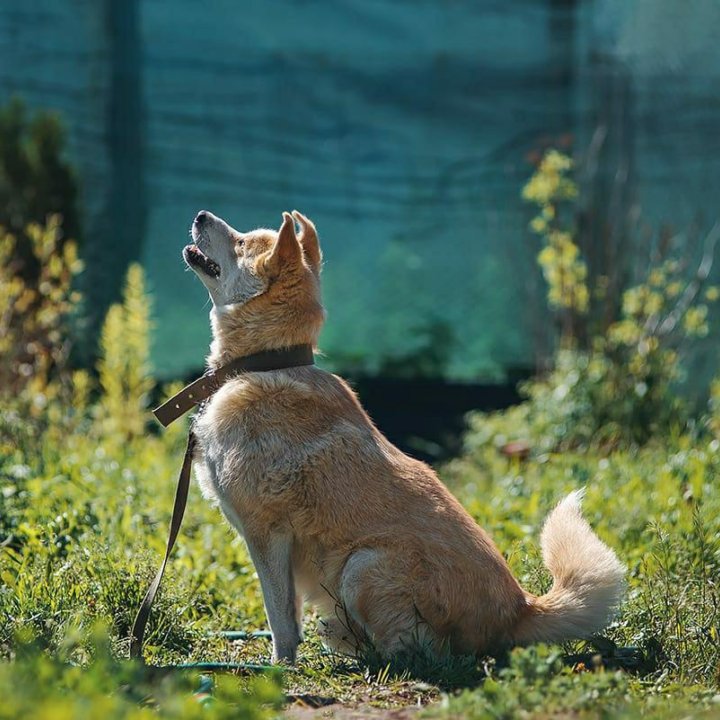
(333, 513)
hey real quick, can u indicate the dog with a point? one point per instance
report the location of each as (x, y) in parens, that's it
(332, 513)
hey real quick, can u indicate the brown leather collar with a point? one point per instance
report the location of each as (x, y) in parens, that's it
(209, 383)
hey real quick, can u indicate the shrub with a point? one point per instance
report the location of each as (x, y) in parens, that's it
(535, 681)
(564, 270)
(41, 686)
(35, 316)
(35, 180)
(124, 366)
(614, 376)
(39, 219)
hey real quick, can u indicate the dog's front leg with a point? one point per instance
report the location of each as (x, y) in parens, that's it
(271, 554)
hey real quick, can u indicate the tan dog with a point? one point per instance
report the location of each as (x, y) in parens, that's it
(334, 514)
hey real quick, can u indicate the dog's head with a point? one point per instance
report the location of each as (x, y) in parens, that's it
(264, 284)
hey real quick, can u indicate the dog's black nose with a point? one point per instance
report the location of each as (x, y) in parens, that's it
(202, 216)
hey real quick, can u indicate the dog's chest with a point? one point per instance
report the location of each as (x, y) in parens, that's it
(222, 466)
(246, 454)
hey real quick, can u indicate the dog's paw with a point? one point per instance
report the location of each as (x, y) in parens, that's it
(337, 637)
(284, 656)
(284, 652)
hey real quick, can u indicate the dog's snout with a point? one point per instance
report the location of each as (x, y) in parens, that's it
(202, 216)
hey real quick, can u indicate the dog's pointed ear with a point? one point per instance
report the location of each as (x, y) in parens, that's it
(286, 251)
(309, 242)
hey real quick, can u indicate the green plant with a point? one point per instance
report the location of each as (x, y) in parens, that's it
(564, 270)
(35, 180)
(35, 316)
(536, 681)
(39, 213)
(38, 685)
(124, 366)
(613, 377)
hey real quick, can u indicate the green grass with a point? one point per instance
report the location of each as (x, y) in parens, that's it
(83, 520)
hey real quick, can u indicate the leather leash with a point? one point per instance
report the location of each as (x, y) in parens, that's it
(190, 396)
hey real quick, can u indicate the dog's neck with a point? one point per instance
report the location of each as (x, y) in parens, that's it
(238, 332)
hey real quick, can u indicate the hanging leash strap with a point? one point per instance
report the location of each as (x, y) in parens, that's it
(181, 494)
(190, 396)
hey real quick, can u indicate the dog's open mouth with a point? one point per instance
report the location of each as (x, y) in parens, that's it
(196, 258)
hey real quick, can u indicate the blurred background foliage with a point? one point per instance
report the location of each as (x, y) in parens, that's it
(621, 340)
(36, 179)
(610, 321)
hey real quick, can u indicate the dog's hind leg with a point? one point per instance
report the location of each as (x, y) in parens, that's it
(377, 598)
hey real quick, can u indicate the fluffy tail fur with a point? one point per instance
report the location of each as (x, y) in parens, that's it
(588, 580)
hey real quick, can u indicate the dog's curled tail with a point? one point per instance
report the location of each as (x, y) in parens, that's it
(588, 580)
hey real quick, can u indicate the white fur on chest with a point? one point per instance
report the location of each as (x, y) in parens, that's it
(262, 445)
(241, 456)
(212, 490)
(207, 480)
(220, 464)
